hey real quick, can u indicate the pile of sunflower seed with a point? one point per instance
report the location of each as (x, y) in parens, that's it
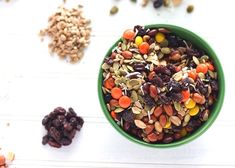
(70, 33)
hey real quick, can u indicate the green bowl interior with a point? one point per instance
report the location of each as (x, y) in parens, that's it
(201, 44)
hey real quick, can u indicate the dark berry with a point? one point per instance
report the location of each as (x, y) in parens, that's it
(174, 86)
(45, 120)
(65, 141)
(60, 110)
(45, 139)
(157, 81)
(149, 100)
(54, 133)
(128, 116)
(214, 86)
(107, 98)
(157, 3)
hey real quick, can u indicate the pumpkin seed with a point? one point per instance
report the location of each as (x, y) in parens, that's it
(204, 58)
(123, 47)
(136, 110)
(158, 126)
(134, 96)
(133, 84)
(201, 75)
(140, 124)
(138, 56)
(166, 50)
(118, 110)
(212, 74)
(195, 60)
(175, 120)
(164, 43)
(187, 118)
(178, 76)
(177, 106)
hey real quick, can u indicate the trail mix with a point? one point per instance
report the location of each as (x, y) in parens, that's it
(158, 87)
(61, 126)
(70, 33)
(6, 159)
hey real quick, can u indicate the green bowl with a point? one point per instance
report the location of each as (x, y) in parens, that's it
(201, 44)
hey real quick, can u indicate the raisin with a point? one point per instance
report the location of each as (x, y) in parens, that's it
(61, 126)
(214, 86)
(157, 81)
(54, 133)
(45, 120)
(174, 86)
(157, 3)
(149, 100)
(65, 141)
(128, 116)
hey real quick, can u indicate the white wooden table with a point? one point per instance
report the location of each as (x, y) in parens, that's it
(32, 83)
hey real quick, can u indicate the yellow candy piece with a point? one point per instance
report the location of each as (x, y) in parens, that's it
(168, 124)
(189, 104)
(138, 40)
(160, 37)
(194, 111)
(183, 132)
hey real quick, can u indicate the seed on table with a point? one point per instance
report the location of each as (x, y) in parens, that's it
(190, 8)
(194, 111)
(189, 104)
(113, 10)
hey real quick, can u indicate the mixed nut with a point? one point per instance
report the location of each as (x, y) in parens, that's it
(61, 126)
(157, 86)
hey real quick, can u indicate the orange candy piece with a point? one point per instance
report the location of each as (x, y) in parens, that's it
(192, 74)
(109, 83)
(124, 101)
(144, 48)
(210, 66)
(116, 93)
(186, 95)
(202, 68)
(129, 34)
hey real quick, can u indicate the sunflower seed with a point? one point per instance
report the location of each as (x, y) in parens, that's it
(177, 106)
(178, 76)
(187, 118)
(118, 110)
(196, 61)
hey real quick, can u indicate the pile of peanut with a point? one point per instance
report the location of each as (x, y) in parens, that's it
(70, 33)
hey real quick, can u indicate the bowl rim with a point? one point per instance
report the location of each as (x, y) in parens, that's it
(205, 126)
